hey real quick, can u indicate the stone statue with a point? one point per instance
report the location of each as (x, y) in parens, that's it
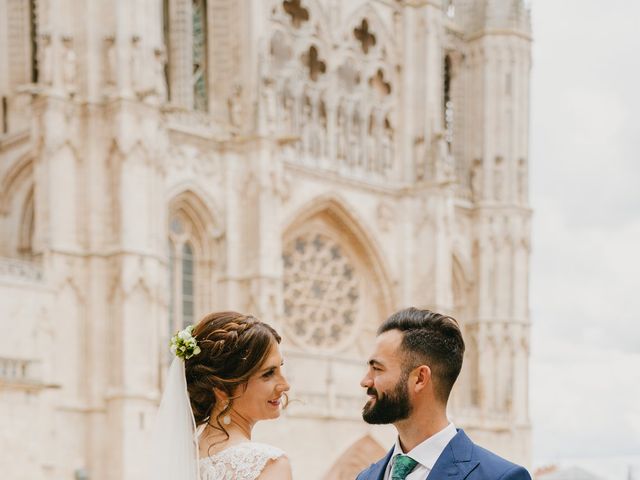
(159, 78)
(387, 146)
(419, 157)
(476, 180)
(354, 140)
(441, 159)
(373, 155)
(138, 83)
(522, 181)
(498, 179)
(287, 112)
(110, 62)
(46, 60)
(268, 105)
(341, 140)
(323, 130)
(69, 66)
(234, 106)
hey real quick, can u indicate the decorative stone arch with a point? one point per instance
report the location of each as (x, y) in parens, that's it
(356, 458)
(27, 226)
(17, 212)
(465, 392)
(344, 244)
(384, 38)
(294, 43)
(316, 24)
(16, 176)
(462, 285)
(194, 236)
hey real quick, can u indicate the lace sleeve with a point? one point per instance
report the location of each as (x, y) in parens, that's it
(242, 462)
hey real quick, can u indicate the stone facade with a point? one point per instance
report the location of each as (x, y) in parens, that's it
(320, 164)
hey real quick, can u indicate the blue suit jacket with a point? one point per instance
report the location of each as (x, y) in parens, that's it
(461, 459)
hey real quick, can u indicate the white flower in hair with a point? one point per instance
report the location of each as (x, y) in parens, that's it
(183, 344)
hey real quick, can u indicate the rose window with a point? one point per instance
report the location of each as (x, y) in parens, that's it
(321, 291)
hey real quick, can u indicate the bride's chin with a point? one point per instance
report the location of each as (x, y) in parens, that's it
(274, 414)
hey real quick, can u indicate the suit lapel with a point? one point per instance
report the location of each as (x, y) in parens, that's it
(455, 462)
(377, 472)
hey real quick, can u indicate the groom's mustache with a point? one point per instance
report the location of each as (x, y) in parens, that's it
(372, 391)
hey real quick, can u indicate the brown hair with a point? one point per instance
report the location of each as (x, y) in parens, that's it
(433, 339)
(233, 347)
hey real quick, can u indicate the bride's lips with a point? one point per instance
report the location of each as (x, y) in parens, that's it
(274, 403)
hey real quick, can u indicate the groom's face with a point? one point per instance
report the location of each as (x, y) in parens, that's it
(386, 382)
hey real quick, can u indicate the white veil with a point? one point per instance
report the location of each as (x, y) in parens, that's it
(175, 446)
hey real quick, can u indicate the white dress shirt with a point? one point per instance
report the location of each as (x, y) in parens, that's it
(425, 453)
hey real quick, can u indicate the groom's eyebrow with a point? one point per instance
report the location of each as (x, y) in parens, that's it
(373, 362)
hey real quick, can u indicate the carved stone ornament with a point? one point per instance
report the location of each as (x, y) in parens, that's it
(322, 291)
(296, 11)
(364, 36)
(314, 64)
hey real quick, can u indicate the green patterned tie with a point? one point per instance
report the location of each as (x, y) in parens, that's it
(402, 467)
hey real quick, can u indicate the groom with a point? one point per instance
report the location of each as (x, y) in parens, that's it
(416, 360)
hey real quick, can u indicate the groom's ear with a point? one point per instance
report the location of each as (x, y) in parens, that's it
(421, 378)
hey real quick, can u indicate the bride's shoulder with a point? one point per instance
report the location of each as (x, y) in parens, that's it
(270, 450)
(249, 460)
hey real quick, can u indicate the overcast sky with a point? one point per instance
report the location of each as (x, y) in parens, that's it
(585, 184)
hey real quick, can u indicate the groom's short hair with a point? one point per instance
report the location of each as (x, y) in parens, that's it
(431, 339)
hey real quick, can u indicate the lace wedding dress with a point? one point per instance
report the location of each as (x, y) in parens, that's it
(244, 461)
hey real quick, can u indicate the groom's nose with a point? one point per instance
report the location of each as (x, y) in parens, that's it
(366, 382)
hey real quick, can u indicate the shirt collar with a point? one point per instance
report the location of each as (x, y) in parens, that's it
(427, 452)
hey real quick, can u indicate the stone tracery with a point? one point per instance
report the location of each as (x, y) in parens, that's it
(322, 291)
(339, 129)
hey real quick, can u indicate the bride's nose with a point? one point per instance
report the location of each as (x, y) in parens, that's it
(283, 386)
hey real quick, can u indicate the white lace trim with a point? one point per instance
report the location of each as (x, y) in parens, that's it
(244, 461)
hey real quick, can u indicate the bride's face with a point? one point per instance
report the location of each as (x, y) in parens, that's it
(263, 396)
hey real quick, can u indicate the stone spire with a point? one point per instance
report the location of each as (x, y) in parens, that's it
(478, 16)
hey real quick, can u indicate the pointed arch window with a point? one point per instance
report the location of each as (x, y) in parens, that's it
(185, 32)
(182, 271)
(20, 41)
(27, 228)
(166, 36)
(447, 107)
(199, 19)
(33, 40)
(187, 285)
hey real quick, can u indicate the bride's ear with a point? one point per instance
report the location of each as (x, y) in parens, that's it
(221, 397)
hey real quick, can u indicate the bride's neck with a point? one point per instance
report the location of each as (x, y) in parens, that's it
(238, 430)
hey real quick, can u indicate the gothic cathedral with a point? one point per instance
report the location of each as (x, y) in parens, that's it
(318, 163)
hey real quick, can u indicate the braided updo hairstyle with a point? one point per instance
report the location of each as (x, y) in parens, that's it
(233, 348)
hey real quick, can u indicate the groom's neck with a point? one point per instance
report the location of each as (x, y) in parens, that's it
(419, 426)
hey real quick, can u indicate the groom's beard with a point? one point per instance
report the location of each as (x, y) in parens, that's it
(388, 407)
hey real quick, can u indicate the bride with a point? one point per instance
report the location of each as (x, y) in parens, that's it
(227, 375)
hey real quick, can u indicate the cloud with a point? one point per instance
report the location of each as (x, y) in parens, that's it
(587, 400)
(584, 136)
(585, 292)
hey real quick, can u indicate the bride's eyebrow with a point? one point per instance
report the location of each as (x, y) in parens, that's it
(266, 369)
